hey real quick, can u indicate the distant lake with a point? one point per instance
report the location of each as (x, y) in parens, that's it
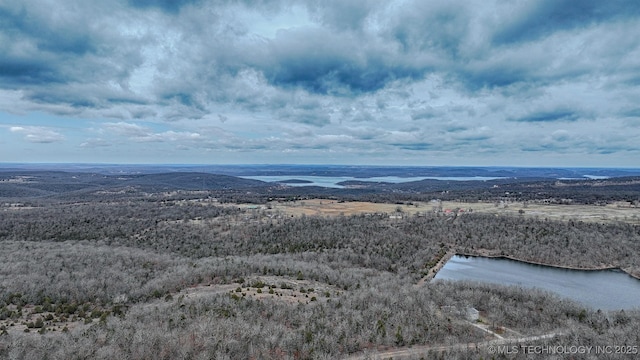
(601, 289)
(332, 181)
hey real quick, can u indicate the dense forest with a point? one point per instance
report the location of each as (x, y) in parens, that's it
(176, 275)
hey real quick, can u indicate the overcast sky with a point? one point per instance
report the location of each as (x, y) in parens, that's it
(529, 83)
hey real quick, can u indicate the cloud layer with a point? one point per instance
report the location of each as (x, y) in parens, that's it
(416, 82)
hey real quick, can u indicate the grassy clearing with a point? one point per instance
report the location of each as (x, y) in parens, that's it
(615, 212)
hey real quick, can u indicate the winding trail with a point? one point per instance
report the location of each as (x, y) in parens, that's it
(424, 350)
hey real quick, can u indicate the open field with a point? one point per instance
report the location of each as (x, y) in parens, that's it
(615, 212)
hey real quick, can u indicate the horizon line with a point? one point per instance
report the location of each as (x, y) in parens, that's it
(6, 164)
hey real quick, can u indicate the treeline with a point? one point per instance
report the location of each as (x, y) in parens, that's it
(195, 230)
(106, 221)
(592, 192)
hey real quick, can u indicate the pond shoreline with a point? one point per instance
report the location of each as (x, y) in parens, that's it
(437, 267)
(486, 254)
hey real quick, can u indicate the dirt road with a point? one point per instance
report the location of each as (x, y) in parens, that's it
(424, 350)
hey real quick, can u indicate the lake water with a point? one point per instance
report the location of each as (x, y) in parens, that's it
(332, 181)
(602, 289)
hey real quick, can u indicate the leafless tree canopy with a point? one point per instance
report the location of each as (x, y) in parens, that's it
(120, 268)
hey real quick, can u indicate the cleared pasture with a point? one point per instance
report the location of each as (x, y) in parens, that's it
(615, 212)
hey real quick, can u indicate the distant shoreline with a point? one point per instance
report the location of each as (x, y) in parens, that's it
(295, 181)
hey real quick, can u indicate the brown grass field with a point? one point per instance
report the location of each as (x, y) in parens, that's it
(615, 212)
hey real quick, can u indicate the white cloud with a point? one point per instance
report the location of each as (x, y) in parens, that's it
(95, 142)
(139, 133)
(128, 129)
(38, 134)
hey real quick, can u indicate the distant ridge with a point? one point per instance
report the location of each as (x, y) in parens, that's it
(31, 183)
(191, 181)
(356, 171)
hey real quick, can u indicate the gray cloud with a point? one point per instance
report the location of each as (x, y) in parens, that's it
(427, 112)
(435, 26)
(63, 54)
(632, 113)
(170, 6)
(549, 116)
(404, 78)
(331, 63)
(342, 15)
(419, 146)
(541, 18)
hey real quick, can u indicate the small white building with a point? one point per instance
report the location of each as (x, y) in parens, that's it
(473, 314)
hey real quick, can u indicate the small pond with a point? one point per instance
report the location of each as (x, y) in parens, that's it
(601, 289)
